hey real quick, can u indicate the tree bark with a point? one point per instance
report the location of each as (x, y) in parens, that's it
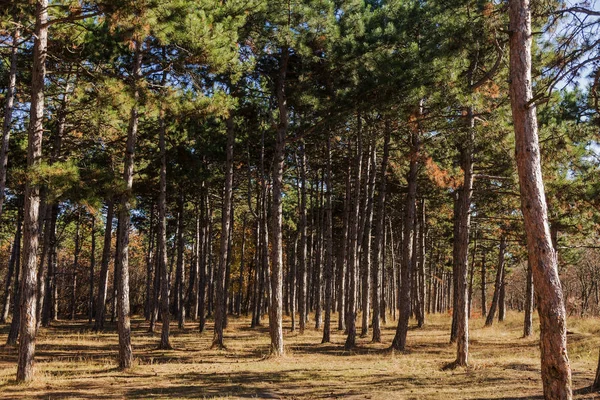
(499, 271)
(483, 286)
(180, 268)
(328, 237)
(75, 266)
(465, 194)
(104, 264)
(15, 324)
(302, 254)
(556, 371)
(379, 237)
(367, 240)
(124, 324)
(148, 303)
(220, 299)
(528, 323)
(28, 326)
(9, 274)
(276, 253)
(165, 311)
(353, 246)
(92, 268)
(399, 342)
(9, 101)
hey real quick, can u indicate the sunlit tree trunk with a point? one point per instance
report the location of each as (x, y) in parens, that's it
(379, 238)
(28, 291)
(9, 101)
(104, 264)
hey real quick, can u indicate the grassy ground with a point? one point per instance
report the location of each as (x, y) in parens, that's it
(73, 362)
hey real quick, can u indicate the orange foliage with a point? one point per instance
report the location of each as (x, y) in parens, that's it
(441, 177)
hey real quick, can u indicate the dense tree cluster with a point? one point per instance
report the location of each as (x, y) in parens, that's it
(336, 161)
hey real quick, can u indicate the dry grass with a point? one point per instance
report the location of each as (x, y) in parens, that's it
(73, 362)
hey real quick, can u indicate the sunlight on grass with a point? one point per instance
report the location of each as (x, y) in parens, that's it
(73, 362)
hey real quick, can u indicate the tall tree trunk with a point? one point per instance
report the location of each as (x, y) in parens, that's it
(420, 250)
(165, 312)
(220, 311)
(483, 286)
(92, 268)
(9, 101)
(499, 272)
(472, 272)
(51, 215)
(528, 323)
(9, 274)
(502, 298)
(104, 264)
(399, 342)
(148, 306)
(206, 235)
(302, 253)
(556, 371)
(379, 237)
(124, 324)
(328, 237)
(353, 247)
(367, 240)
(276, 305)
(28, 326)
(15, 324)
(180, 268)
(75, 266)
(465, 194)
(192, 293)
(343, 266)
(240, 293)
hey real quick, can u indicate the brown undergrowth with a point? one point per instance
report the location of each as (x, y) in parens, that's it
(73, 362)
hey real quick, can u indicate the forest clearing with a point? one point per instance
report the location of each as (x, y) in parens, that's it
(73, 362)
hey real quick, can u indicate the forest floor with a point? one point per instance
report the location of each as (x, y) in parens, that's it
(73, 362)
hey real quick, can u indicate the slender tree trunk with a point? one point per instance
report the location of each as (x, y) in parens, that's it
(499, 272)
(206, 235)
(92, 268)
(465, 194)
(220, 311)
(9, 101)
(226, 288)
(15, 324)
(75, 266)
(28, 326)
(148, 306)
(379, 237)
(276, 305)
(556, 371)
(343, 267)
(104, 264)
(399, 342)
(9, 274)
(472, 272)
(420, 250)
(528, 323)
(367, 239)
(124, 324)
(328, 237)
(180, 267)
(192, 293)
(165, 311)
(353, 247)
(302, 254)
(483, 286)
(502, 298)
(240, 293)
